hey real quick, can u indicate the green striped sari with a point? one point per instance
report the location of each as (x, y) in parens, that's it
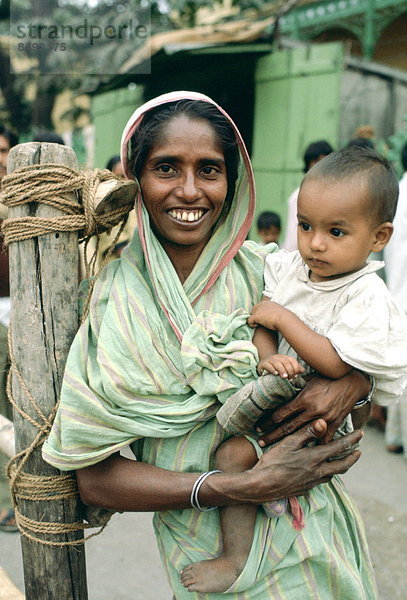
(150, 367)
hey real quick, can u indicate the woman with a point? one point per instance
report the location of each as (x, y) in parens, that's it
(166, 340)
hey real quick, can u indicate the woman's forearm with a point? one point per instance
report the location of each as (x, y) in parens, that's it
(122, 484)
(289, 468)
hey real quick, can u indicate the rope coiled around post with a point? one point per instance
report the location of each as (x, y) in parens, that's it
(51, 184)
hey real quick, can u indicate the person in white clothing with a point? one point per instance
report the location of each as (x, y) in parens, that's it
(395, 255)
(313, 153)
(324, 310)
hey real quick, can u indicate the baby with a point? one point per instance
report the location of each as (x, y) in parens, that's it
(324, 310)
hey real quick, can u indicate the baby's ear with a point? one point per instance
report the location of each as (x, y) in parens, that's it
(382, 237)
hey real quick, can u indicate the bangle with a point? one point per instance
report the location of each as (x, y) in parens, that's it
(195, 491)
(370, 395)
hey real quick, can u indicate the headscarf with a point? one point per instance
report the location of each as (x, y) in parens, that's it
(237, 223)
(155, 357)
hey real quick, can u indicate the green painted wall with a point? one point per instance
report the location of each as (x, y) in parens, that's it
(110, 112)
(297, 101)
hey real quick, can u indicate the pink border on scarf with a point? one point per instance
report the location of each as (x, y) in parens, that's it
(128, 132)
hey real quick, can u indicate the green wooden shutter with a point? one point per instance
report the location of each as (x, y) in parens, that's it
(110, 112)
(297, 101)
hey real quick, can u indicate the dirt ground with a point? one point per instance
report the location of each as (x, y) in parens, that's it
(123, 563)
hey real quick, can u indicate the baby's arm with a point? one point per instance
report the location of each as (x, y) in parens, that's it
(265, 341)
(314, 349)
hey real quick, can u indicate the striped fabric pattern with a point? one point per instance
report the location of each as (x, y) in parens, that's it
(327, 560)
(150, 366)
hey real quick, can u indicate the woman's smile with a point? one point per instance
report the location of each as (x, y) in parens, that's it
(186, 216)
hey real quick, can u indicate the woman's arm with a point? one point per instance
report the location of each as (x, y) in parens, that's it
(288, 469)
(314, 349)
(331, 400)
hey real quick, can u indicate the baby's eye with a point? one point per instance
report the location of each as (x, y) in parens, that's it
(304, 226)
(337, 232)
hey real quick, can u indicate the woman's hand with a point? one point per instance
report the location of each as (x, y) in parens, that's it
(267, 314)
(290, 468)
(323, 398)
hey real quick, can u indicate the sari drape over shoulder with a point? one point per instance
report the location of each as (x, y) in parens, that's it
(150, 367)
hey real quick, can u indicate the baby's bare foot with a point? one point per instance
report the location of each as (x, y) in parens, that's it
(207, 576)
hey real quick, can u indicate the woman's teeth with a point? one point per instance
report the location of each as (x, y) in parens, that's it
(186, 216)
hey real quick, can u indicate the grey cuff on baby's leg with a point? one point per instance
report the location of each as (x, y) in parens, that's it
(243, 409)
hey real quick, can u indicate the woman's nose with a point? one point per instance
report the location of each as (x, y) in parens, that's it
(189, 189)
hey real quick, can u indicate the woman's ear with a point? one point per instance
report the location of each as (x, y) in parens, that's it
(382, 235)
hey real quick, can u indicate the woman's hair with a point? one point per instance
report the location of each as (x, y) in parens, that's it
(355, 163)
(151, 126)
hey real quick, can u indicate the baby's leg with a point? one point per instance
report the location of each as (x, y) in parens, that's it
(237, 527)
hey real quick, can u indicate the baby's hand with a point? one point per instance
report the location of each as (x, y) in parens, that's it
(267, 314)
(280, 364)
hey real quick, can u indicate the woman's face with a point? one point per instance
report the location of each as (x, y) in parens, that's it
(184, 184)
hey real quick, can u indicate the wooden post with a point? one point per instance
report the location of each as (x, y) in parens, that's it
(44, 320)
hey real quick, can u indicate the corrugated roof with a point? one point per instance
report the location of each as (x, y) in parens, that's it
(236, 31)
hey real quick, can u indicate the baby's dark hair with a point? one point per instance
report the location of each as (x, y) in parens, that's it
(150, 129)
(268, 219)
(356, 162)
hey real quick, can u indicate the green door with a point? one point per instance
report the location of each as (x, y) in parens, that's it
(297, 101)
(110, 112)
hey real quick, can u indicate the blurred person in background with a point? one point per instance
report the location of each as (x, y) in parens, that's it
(49, 137)
(395, 256)
(360, 142)
(313, 153)
(114, 165)
(7, 521)
(268, 227)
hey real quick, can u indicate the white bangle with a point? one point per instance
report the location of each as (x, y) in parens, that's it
(195, 491)
(370, 395)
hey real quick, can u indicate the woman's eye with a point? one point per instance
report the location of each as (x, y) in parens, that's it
(304, 226)
(209, 170)
(165, 168)
(337, 232)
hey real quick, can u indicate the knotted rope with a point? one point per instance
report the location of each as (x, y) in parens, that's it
(49, 184)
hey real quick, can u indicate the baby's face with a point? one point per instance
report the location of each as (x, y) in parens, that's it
(335, 231)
